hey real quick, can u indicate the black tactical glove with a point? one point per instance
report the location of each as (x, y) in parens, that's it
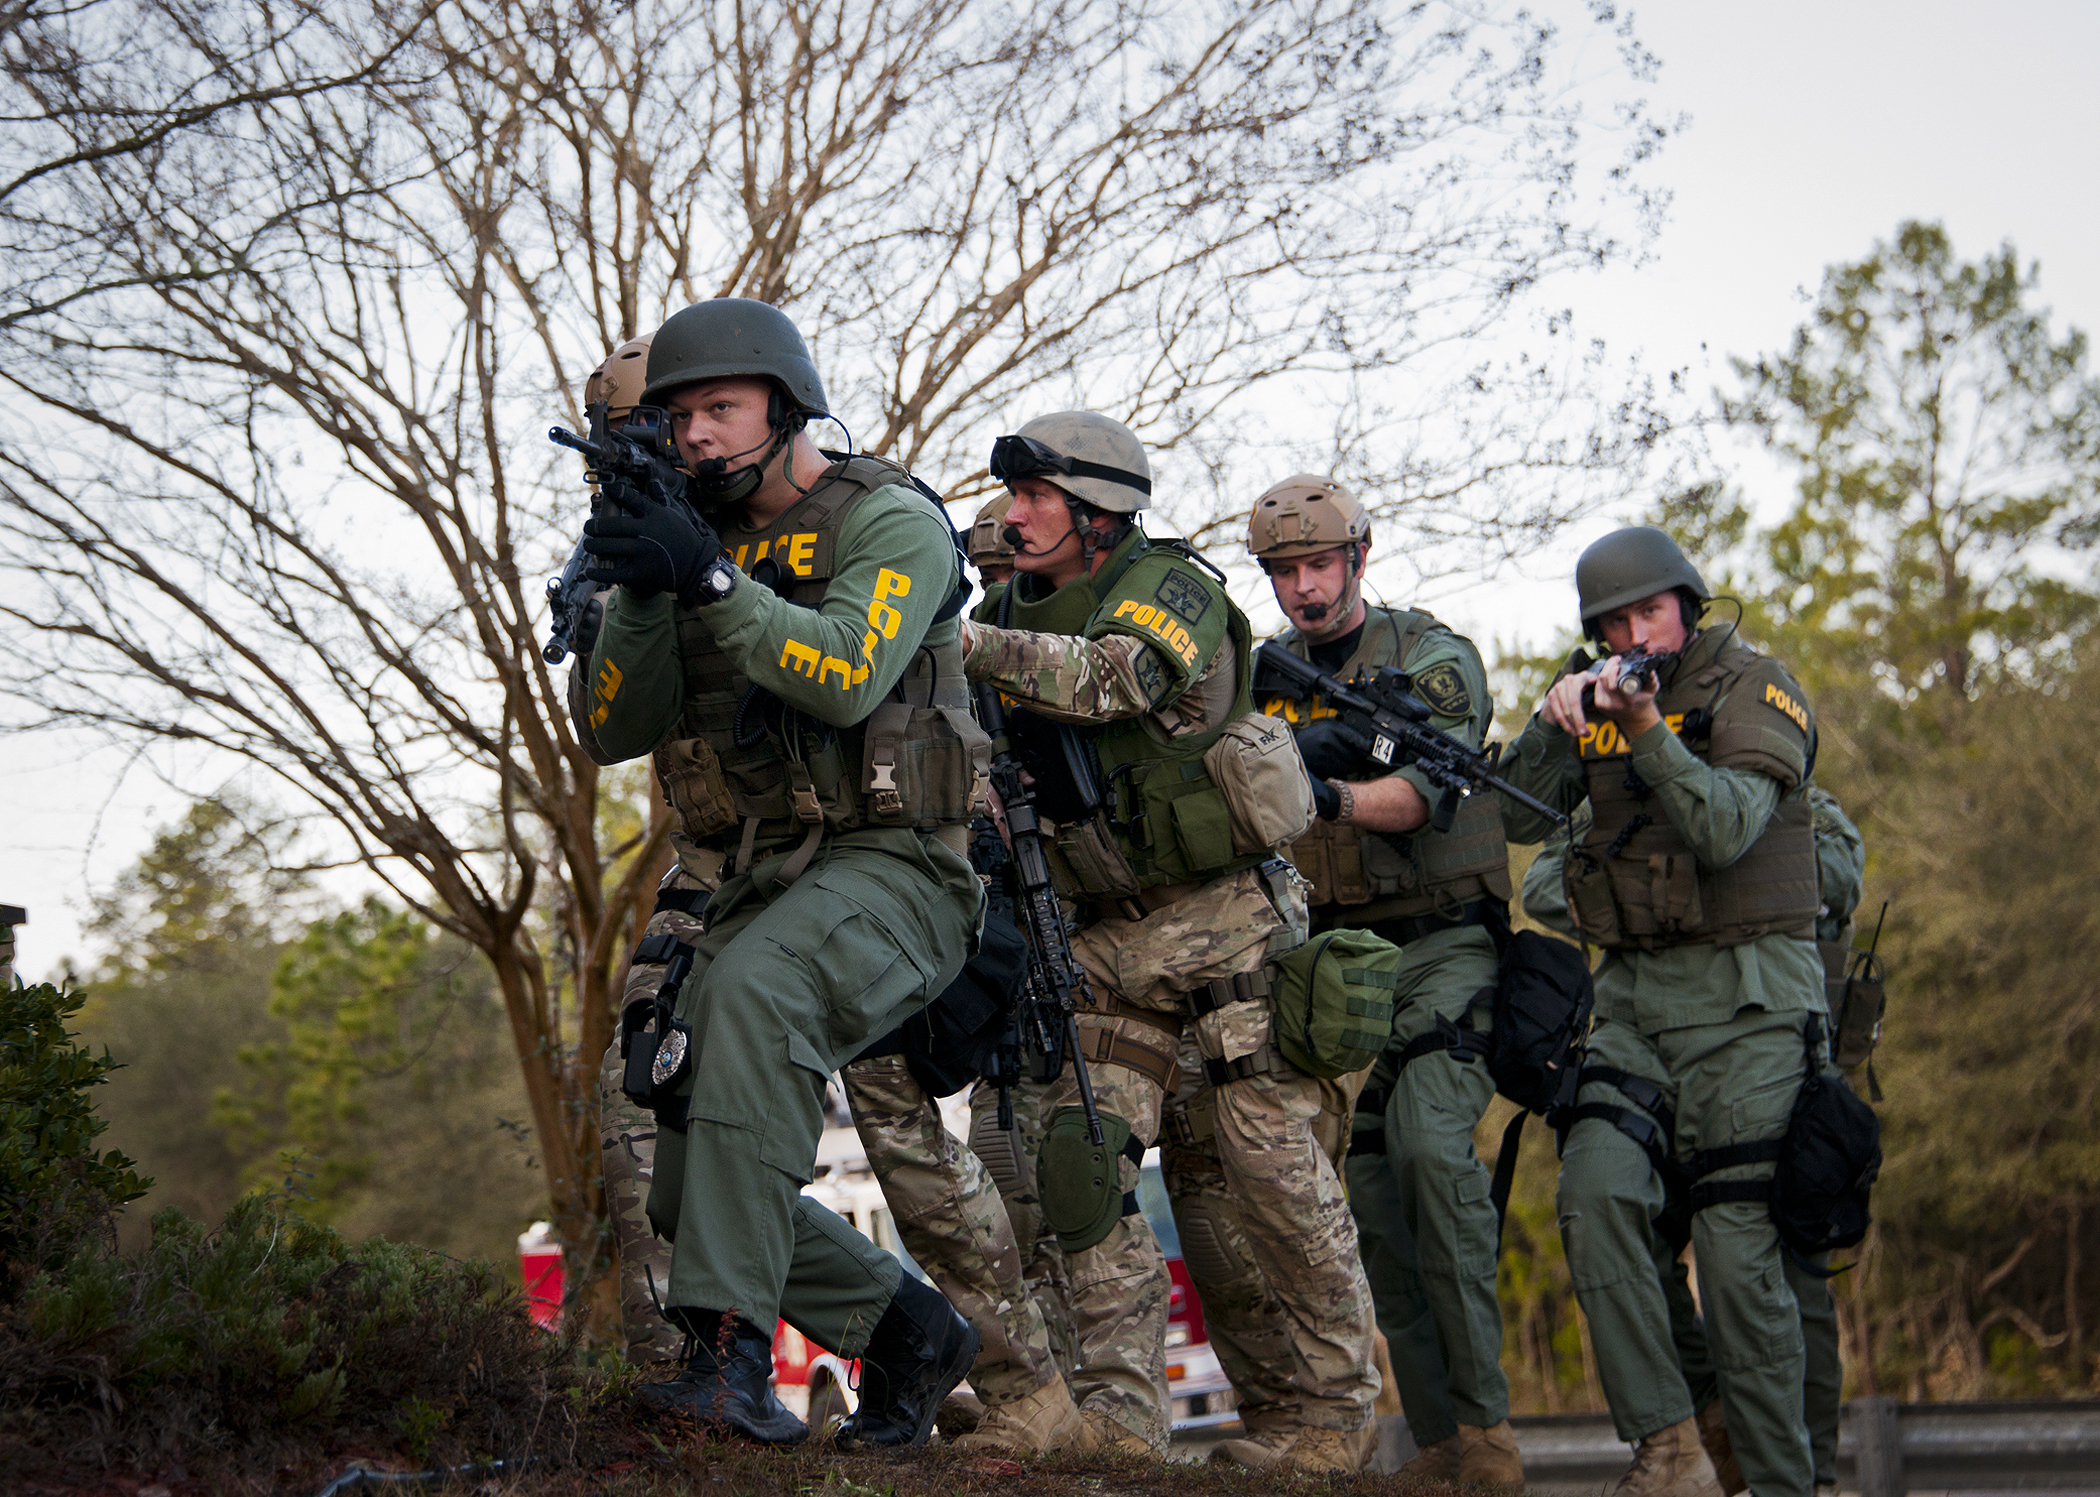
(1332, 751)
(1327, 801)
(648, 548)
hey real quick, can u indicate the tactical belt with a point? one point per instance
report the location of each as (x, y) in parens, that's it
(1707, 1193)
(1133, 1151)
(684, 901)
(1219, 991)
(1267, 1061)
(1461, 1041)
(1137, 906)
(1402, 929)
(1108, 1048)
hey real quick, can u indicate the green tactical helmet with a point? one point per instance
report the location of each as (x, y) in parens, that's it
(1629, 565)
(733, 337)
(1093, 458)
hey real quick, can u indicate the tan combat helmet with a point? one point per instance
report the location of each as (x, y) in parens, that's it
(989, 546)
(1095, 459)
(1303, 515)
(619, 381)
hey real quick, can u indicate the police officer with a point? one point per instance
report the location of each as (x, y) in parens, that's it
(1840, 868)
(1416, 1185)
(1129, 664)
(990, 551)
(1697, 875)
(787, 653)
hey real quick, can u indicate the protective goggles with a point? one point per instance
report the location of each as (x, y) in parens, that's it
(1015, 458)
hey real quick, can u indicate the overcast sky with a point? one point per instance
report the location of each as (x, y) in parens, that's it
(1814, 130)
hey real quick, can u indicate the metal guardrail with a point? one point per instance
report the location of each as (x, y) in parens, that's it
(1885, 1448)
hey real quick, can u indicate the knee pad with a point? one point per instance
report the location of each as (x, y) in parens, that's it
(1079, 1181)
(1212, 1246)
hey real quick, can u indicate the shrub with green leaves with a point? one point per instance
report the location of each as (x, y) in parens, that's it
(273, 1332)
(54, 1188)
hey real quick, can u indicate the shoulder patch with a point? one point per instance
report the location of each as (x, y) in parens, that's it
(1152, 676)
(1778, 697)
(1183, 594)
(1443, 687)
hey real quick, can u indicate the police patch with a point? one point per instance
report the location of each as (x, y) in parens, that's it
(1444, 689)
(1152, 676)
(1185, 595)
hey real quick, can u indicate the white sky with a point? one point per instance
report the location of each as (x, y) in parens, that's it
(1815, 128)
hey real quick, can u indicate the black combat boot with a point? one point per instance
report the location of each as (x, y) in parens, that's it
(919, 1351)
(727, 1379)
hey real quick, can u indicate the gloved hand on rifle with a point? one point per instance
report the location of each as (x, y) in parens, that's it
(1333, 751)
(646, 547)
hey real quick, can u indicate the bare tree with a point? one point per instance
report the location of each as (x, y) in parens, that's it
(273, 484)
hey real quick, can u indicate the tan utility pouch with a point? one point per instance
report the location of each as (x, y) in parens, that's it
(691, 775)
(1097, 866)
(1673, 891)
(1857, 1016)
(1255, 764)
(923, 766)
(1587, 883)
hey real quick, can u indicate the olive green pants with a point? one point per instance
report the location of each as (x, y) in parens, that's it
(1728, 1083)
(1442, 1186)
(787, 985)
(1393, 1268)
(1824, 1386)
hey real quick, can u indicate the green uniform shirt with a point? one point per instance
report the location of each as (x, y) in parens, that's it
(894, 567)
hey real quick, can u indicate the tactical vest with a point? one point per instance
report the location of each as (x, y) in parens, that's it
(1169, 823)
(745, 770)
(1426, 871)
(1632, 881)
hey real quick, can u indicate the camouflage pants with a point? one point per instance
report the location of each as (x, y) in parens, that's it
(1009, 1156)
(1263, 1153)
(1249, 1329)
(952, 1221)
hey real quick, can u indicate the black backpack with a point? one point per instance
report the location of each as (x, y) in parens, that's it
(1823, 1167)
(1542, 1001)
(946, 1044)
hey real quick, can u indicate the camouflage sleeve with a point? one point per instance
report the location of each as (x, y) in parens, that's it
(1719, 812)
(1070, 679)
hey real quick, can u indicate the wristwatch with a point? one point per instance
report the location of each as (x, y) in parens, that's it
(718, 581)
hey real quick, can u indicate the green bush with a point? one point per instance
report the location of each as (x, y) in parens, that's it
(54, 1189)
(274, 1332)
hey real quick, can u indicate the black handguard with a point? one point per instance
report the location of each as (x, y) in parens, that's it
(1401, 733)
(612, 459)
(1056, 981)
(1638, 666)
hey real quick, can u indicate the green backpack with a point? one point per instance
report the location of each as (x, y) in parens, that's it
(1334, 1001)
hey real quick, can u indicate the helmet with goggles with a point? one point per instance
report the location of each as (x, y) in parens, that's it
(1095, 459)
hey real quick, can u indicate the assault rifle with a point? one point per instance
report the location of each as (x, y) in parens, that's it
(1635, 666)
(1056, 981)
(615, 462)
(1394, 724)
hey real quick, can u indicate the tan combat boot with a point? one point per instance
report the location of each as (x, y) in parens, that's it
(1713, 1434)
(1488, 1457)
(1257, 1448)
(1434, 1462)
(1044, 1421)
(1098, 1432)
(1670, 1463)
(1333, 1452)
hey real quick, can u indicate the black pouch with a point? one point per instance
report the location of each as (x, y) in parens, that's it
(656, 1047)
(1543, 1001)
(1828, 1162)
(947, 1045)
(1823, 1167)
